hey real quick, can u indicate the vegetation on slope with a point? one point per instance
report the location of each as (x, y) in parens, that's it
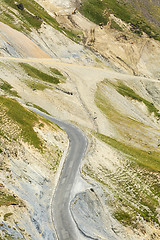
(132, 192)
(130, 129)
(7, 88)
(36, 73)
(56, 71)
(25, 119)
(18, 124)
(133, 186)
(149, 9)
(128, 92)
(143, 158)
(30, 17)
(98, 11)
(36, 85)
(7, 199)
(43, 149)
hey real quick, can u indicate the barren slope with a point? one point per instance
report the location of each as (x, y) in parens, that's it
(109, 162)
(31, 150)
(118, 197)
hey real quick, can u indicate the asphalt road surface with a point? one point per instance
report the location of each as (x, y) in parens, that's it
(64, 224)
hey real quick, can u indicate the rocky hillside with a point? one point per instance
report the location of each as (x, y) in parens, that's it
(95, 64)
(30, 152)
(143, 16)
(149, 10)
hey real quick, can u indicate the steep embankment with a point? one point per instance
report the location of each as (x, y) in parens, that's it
(76, 106)
(123, 160)
(117, 40)
(119, 113)
(16, 44)
(39, 28)
(143, 16)
(30, 153)
(124, 33)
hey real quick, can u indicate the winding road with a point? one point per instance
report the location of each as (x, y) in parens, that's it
(64, 224)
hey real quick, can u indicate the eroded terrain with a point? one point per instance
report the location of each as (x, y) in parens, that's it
(113, 98)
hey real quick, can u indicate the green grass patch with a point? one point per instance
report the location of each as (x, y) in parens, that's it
(24, 118)
(104, 104)
(41, 109)
(135, 185)
(36, 85)
(58, 74)
(31, 16)
(123, 217)
(129, 129)
(129, 216)
(93, 10)
(131, 196)
(73, 35)
(114, 25)
(148, 160)
(128, 92)
(8, 88)
(7, 215)
(98, 11)
(36, 73)
(56, 71)
(156, 189)
(7, 199)
(58, 157)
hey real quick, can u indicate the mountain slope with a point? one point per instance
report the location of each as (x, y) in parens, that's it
(106, 82)
(31, 149)
(16, 44)
(142, 15)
